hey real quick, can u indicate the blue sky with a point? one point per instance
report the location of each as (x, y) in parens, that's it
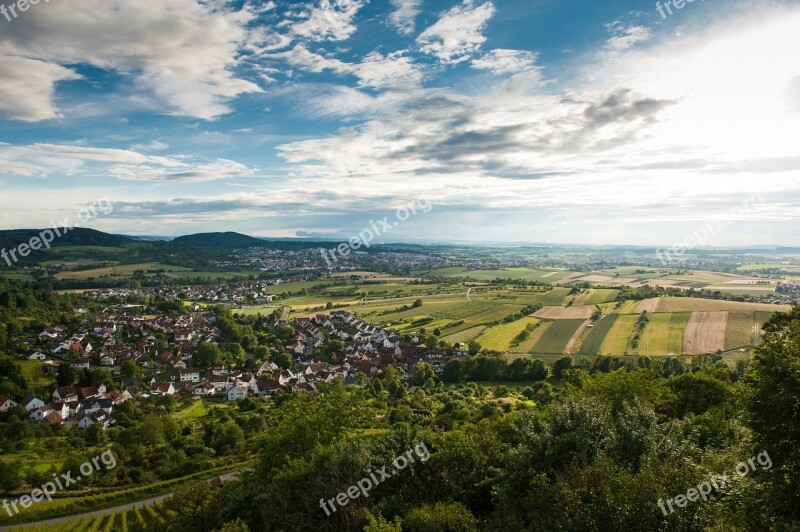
(520, 121)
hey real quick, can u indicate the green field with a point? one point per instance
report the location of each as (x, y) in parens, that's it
(664, 334)
(594, 341)
(616, 341)
(124, 270)
(596, 297)
(557, 336)
(500, 337)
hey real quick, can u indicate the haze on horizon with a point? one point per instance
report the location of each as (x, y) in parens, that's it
(520, 121)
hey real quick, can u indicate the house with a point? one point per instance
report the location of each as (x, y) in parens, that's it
(6, 404)
(162, 388)
(270, 387)
(92, 391)
(80, 363)
(65, 393)
(53, 418)
(39, 414)
(107, 360)
(31, 403)
(204, 389)
(237, 392)
(100, 417)
(37, 355)
(189, 375)
(98, 403)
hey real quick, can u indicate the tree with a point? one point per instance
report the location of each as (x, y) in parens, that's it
(562, 364)
(443, 517)
(207, 355)
(474, 348)
(772, 399)
(417, 303)
(130, 369)
(283, 360)
(66, 375)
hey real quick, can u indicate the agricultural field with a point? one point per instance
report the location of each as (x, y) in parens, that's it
(616, 341)
(18, 276)
(125, 270)
(499, 338)
(554, 297)
(465, 336)
(687, 304)
(596, 296)
(557, 336)
(593, 342)
(141, 518)
(565, 313)
(523, 274)
(664, 334)
(705, 333)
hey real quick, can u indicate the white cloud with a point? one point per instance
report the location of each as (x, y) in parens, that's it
(331, 20)
(626, 37)
(185, 51)
(377, 71)
(27, 86)
(44, 160)
(458, 33)
(503, 61)
(404, 16)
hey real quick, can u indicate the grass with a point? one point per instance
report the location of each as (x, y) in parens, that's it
(499, 338)
(596, 296)
(688, 304)
(32, 371)
(124, 270)
(663, 334)
(739, 331)
(465, 336)
(594, 341)
(616, 341)
(554, 297)
(557, 336)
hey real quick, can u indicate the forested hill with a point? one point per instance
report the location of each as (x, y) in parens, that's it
(10, 239)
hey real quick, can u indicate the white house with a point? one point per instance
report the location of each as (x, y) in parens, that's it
(6, 404)
(237, 392)
(31, 403)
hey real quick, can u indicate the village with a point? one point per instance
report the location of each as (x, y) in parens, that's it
(161, 352)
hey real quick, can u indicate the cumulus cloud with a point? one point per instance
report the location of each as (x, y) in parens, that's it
(458, 33)
(184, 51)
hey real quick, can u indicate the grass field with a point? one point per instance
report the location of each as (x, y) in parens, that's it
(664, 334)
(465, 336)
(18, 276)
(596, 296)
(557, 336)
(556, 296)
(499, 338)
(616, 341)
(593, 342)
(124, 270)
(687, 304)
(739, 332)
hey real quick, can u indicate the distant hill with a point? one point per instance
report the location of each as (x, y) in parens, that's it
(218, 241)
(12, 238)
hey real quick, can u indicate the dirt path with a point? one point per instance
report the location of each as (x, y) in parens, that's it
(576, 336)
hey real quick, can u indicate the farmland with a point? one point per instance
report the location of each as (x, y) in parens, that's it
(705, 333)
(500, 337)
(557, 336)
(593, 342)
(616, 342)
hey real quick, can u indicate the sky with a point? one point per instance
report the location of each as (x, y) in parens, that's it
(540, 121)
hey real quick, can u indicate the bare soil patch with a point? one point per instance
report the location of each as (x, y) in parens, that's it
(705, 333)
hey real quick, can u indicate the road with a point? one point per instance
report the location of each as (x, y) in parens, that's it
(108, 511)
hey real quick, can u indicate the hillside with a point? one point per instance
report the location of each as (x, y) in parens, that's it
(74, 237)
